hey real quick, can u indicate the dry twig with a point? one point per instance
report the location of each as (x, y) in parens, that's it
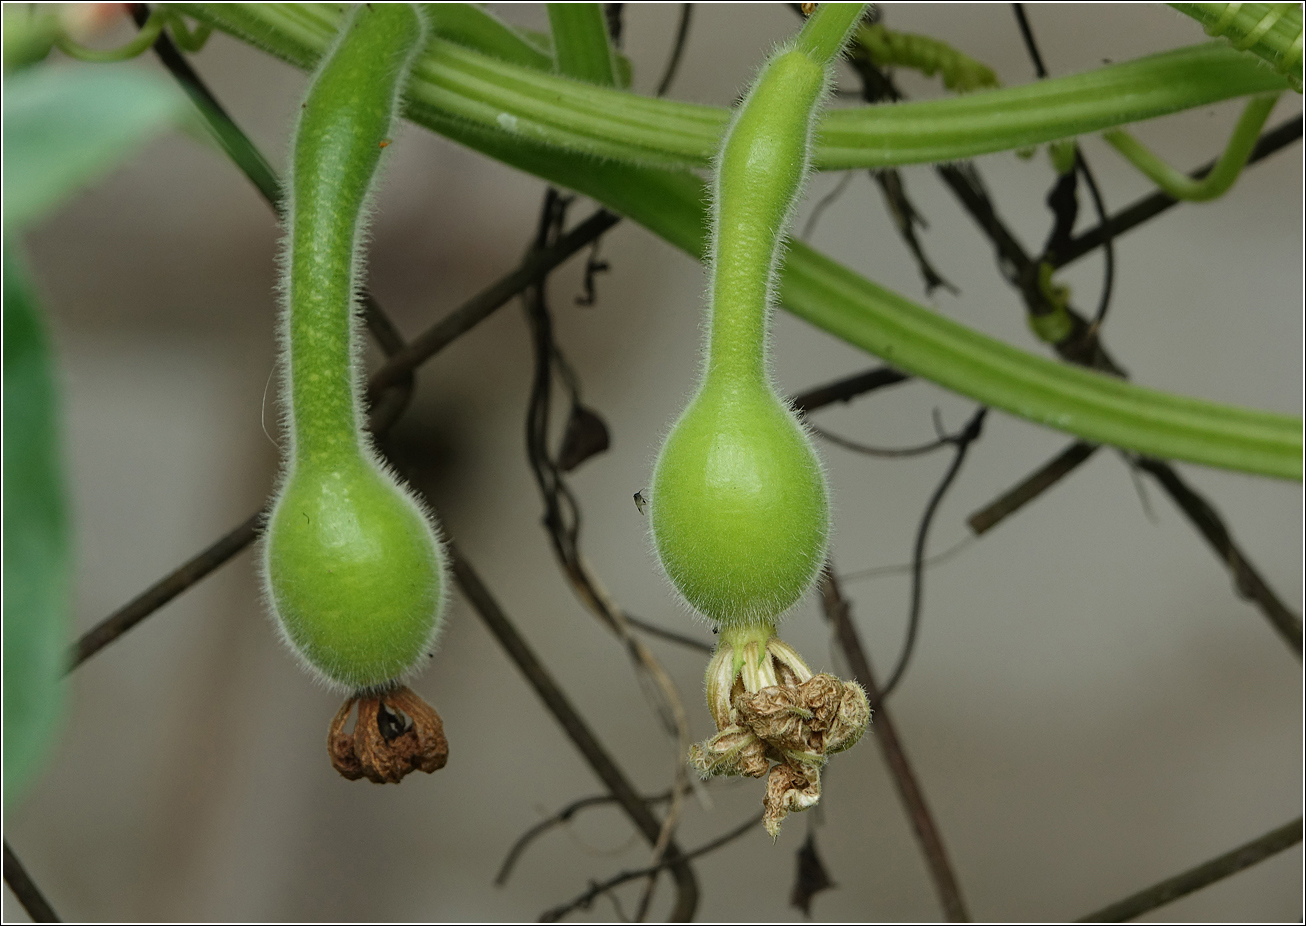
(1158, 895)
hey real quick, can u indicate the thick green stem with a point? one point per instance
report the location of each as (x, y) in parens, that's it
(580, 42)
(330, 181)
(913, 338)
(470, 26)
(1271, 31)
(1177, 183)
(528, 106)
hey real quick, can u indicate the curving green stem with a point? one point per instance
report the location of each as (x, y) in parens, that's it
(752, 204)
(834, 298)
(550, 110)
(191, 40)
(139, 43)
(1227, 168)
(470, 26)
(825, 33)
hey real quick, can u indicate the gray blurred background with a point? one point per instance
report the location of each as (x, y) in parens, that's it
(1091, 707)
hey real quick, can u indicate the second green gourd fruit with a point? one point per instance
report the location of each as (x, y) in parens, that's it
(740, 509)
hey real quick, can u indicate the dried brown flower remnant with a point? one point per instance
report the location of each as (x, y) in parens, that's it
(769, 707)
(789, 789)
(821, 716)
(382, 747)
(733, 751)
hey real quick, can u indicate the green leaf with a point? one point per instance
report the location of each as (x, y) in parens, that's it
(35, 538)
(64, 127)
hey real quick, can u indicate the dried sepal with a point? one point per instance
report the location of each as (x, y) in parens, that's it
(790, 669)
(789, 789)
(720, 683)
(733, 751)
(382, 747)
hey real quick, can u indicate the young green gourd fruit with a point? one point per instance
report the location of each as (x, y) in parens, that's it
(353, 566)
(740, 510)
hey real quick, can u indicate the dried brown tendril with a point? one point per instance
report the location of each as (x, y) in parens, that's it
(396, 733)
(769, 707)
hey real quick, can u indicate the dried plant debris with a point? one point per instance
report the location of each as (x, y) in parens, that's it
(770, 708)
(396, 733)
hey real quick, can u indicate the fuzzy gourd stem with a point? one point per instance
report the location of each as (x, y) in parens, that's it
(753, 205)
(826, 31)
(330, 183)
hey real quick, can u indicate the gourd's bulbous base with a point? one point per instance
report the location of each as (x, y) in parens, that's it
(739, 508)
(354, 573)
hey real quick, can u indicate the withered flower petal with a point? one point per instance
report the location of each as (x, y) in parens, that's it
(788, 789)
(382, 749)
(733, 751)
(850, 722)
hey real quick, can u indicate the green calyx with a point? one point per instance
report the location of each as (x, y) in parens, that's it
(353, 566)
(736, 639)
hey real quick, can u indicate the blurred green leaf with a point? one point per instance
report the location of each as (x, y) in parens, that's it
(35, 537)
(64, 127)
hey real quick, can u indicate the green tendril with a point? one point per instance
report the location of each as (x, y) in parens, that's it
(929, 56)
(1227, 168)
(139, 44)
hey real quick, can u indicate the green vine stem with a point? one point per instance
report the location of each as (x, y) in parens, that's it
(472, 27)
(580, 42)
(922, 342)
(191, 40)
(915, 339)
(1230, 164)
(1271, 31)
(551, 110)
